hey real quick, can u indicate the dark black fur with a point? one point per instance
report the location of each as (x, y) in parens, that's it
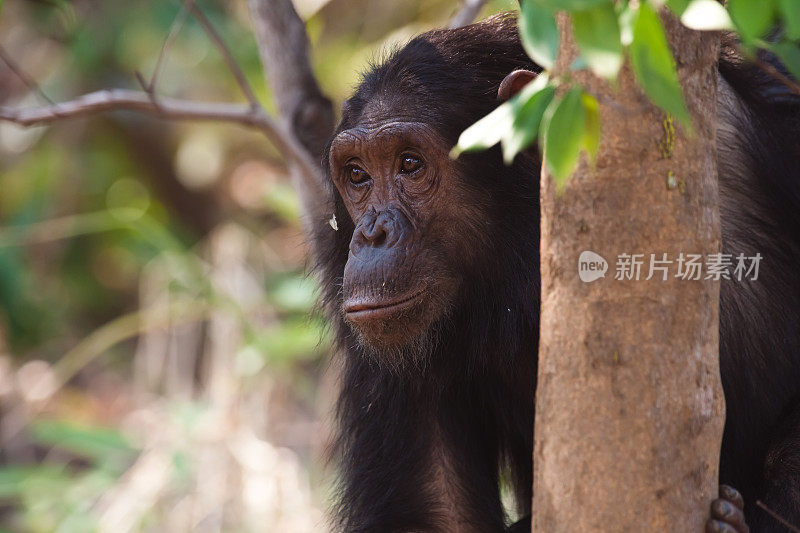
(759, 175)
(471, 398)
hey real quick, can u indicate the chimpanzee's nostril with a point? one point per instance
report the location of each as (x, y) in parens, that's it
(375, 233)
(379, 230)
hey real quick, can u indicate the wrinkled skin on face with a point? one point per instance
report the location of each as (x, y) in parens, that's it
(403, 194)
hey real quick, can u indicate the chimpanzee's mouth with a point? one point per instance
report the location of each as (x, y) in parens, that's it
(366, 307)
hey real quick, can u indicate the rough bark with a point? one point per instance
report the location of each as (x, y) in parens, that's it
(306, 113)
(629, 405)
(283, 46)
(466, 15)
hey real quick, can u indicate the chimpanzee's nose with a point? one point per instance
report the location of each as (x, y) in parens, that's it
(382, 229)
(375, 230)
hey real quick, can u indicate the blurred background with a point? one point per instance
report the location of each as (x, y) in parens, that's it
(162, 367)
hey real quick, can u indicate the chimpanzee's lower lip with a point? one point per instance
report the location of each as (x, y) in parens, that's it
(372, 308)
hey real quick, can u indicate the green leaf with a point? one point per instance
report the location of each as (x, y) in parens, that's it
(706, 15)
(591, 138)
(539, 34)
(789, 54)
(678, 6)
(597, 34)
(654, 65)
(752, 18)
(14, 479)
(486, 132)
(565, 121)
(569, 5)
(791, 18)
(282, 199)
(292, 340)
(11, 479)
(627, 18)
(498, 124)
(527, 119)
(294, 293)
(92, 442)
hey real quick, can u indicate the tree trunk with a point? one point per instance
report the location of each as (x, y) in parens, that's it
(629, 405)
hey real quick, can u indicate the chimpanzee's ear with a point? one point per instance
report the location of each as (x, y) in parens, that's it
(514, 82)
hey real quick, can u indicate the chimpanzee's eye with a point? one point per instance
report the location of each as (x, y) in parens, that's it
(355, 174)
(409, 163)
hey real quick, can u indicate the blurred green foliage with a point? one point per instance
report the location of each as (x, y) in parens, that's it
(90, 208)
(87, 166)
(607, 31)
(55, 496)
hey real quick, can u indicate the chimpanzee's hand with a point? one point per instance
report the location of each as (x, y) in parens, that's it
(727, 514)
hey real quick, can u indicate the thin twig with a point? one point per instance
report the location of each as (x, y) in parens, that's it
(467, 13)
(223, 49)
(123, 99)
(151, 93)
(769, 70)
(777, 517)
(307, 177)
(23, 76)
(778, 75)
(174, 29)
(143, 82)
(283, 47)
(168, 108)
(305, 112)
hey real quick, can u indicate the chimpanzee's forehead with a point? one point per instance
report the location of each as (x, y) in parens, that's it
(387, 132)
(393, 102)
(388, 128)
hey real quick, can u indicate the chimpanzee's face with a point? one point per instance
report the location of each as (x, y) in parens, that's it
(412, 218)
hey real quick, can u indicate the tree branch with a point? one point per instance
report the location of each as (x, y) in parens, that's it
(176, 26)
(777, 75)
(283, 47)
(172, 109)
(227, 55)
(123, 99)
(467, 13)
(765, 66)
(22, 75)
(290, 138)
(778, 517)
(305, 112)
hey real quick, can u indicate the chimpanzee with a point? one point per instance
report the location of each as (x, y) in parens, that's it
(432, 284)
